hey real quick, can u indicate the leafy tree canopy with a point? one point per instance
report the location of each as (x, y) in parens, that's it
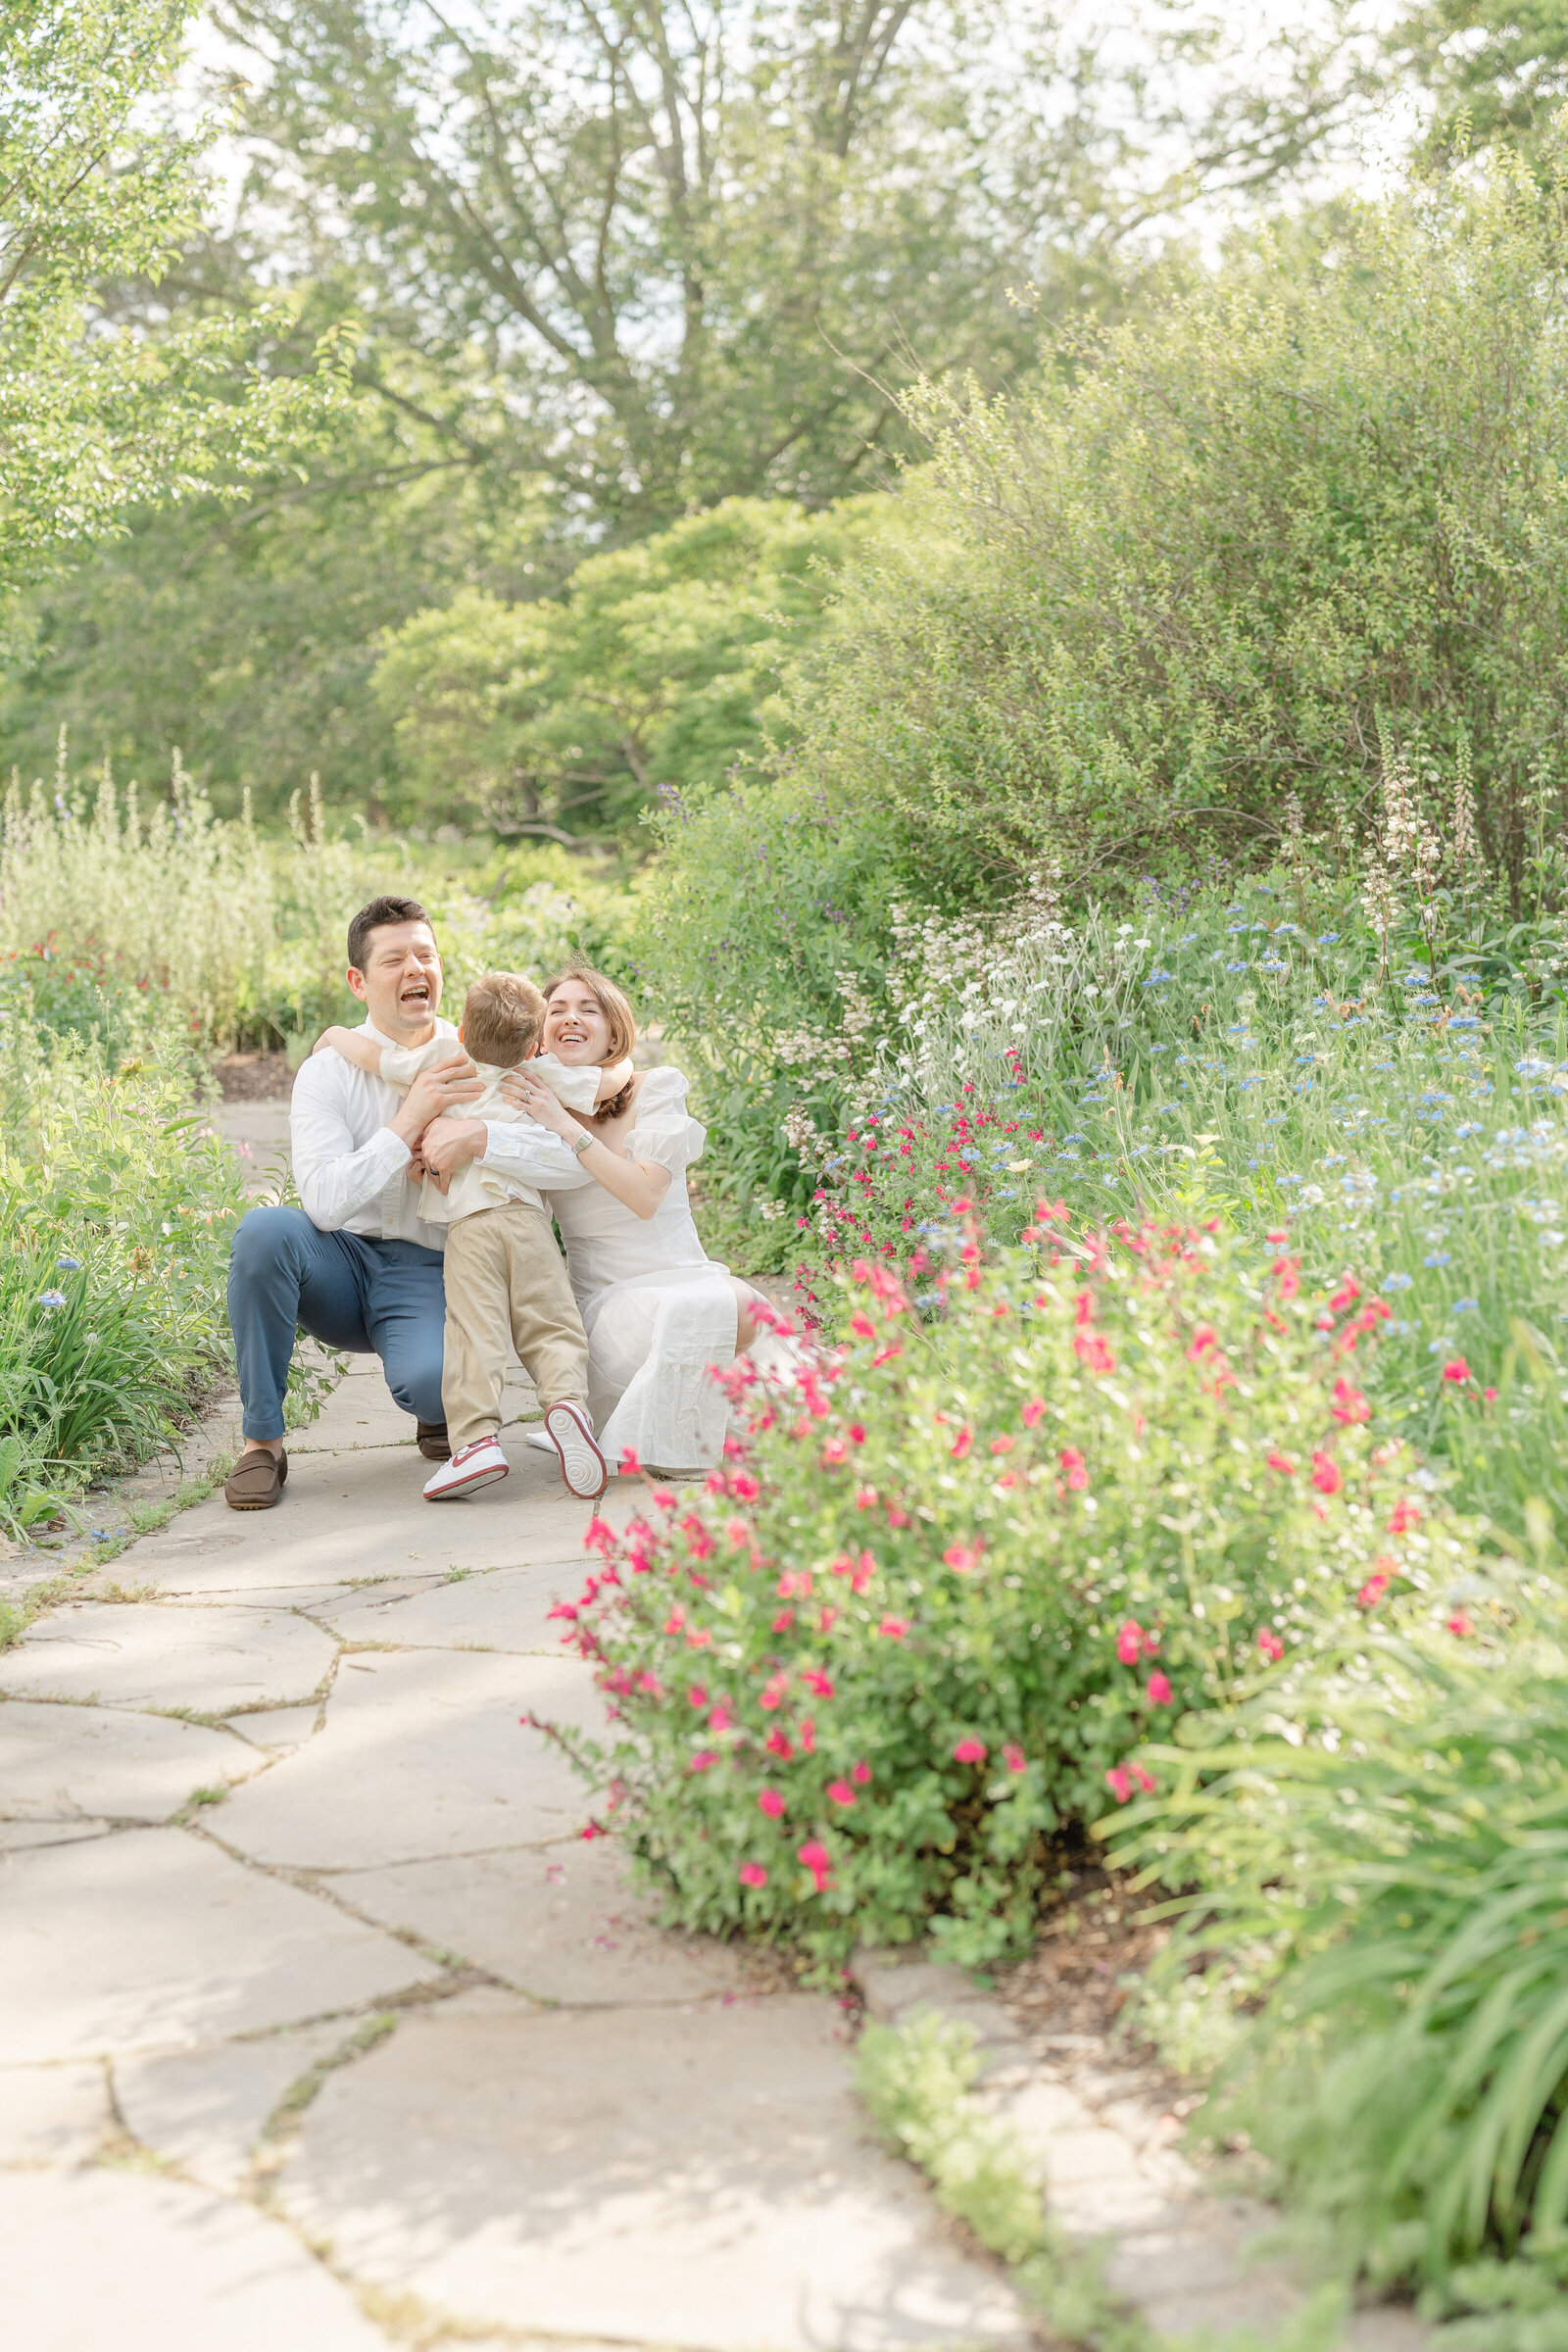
(93, 185)
(653, 673)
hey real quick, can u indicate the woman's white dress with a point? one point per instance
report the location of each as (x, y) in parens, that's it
(659, 1313)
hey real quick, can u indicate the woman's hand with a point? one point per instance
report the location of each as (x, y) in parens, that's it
(542, 1107)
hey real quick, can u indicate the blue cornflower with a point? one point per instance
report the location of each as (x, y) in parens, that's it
(1327, 939)
(51, 1297)
(1397, 1281)
(1437, 1257)
(1236, 967)
(1465, 1307)
(70, 1264)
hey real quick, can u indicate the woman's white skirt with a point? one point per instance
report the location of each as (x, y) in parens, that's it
(653, 1344)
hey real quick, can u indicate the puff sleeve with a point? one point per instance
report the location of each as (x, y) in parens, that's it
(665, 1133)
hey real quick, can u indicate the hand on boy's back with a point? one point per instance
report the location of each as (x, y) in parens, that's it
(444, 1083)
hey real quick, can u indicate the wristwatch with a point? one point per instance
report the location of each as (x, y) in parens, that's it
(581, 1144)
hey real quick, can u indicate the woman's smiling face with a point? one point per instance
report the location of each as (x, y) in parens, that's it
(575, 1028)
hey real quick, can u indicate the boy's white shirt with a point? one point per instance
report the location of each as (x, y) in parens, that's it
(476, 1186)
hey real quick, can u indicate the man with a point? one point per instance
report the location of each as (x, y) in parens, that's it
(355, 1267)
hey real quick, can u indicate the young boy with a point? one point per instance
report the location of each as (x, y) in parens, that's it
(504, 1274)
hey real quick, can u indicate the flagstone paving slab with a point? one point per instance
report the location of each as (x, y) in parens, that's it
(348, 1516)
(95, 2257)
(703, 2179)
(53, 2114)
(492, 1608)
(204, 2109)
(138, 1654)
(156, 1939)
(60, 1762)
(421, 1754)
(277, 1730)
(17, 1836)
(561, 1923)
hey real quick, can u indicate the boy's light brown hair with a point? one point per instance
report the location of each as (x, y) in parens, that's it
(503, 1014)
(618, 1012)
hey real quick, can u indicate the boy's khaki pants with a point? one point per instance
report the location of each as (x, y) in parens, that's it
(505, 1275)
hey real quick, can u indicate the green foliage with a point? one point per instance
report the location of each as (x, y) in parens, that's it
(1410, 2073)
(234, 938)
(116, 1201)
(653, 672)
(1294, 506)
(96, 422)
(940, 1591)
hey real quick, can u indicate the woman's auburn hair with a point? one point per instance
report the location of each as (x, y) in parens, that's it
(612, 1001)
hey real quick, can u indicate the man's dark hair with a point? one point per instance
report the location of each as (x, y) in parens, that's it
(373, 917)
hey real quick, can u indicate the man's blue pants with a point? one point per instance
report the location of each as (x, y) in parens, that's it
(361, 1296)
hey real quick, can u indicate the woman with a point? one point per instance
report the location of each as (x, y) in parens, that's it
(659, 1313)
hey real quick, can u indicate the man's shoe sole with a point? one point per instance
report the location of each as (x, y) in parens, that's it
(469, 1486)
(580, 1458)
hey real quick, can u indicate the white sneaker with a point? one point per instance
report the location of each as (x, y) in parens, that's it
(470, 1468)
(582, 1465)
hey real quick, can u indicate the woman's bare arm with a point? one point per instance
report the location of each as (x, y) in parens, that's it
(639, 1185)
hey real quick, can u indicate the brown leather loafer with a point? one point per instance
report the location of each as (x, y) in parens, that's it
(257, 1482)
(432, 1440)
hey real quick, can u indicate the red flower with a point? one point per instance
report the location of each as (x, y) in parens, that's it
(1158, 1691)
(817, 1682)
(1372, 1592)
(1281, 1462)
(1074, 1468)
(969, 1752)
(1407, 1515)
(778, 1743)
(1349, 1406)
(751, 1874)
(601, 1534)
(860, 1772)
(815, 1856)
(697, 1695)
(703, 1759)
(961, 1556)
(840, 1793)
(722, 1720)
(1460, 1624)
(856, 1433)
(861, 1325)
(1204, 1338)
(1032, 1412)
(1118, 1780)
(1269, 1642)
(961, 1443)
(770, 1803)
(1130, 1642)
(1326, 1474)
(1458, 1371)
(896, 1629)
(1013, 1758)
(743, 1487)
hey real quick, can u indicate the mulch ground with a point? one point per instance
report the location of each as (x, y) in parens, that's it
(253, 1077)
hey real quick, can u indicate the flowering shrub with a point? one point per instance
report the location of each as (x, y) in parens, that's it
(950, 1580)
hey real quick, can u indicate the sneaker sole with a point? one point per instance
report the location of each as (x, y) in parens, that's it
(466, 1486)
(583, 1468)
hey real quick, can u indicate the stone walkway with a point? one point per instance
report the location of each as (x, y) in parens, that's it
(321, 2028)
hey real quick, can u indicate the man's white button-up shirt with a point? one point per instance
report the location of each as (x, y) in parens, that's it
(353, 1171)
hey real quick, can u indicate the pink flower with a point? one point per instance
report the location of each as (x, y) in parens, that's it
(770, 1803)
(703, 1759)
(1281, 1462)
(1074, 1468)
(1372, 1591)
(895, 1628)
(961, 1443)
(1457, 1370)
(751, 1874)
(1032, 1412)
(1118, 1780)
(834, 1453)
(1130, 1642)
(593, 1830)
(722, 1720)
(856, 1433)
(840, 1793)
(1460, 1624)
(1349, 1406)
(1001, 1445)
(860, 1772)
(783, 1621)
(629, 1464)
(697, 1695)
(861, 1325)
(1407, 1515)
(563, 1608)
(601, 1535)
(817, 1682)
(1145, 1781)
(772, 1695)
(1269, 1642)
(969, 1750)
(743, 1487)
(961, 1556)
(807, 1734)
(778, 1743)
(739, 1533)
(1158, 1691)
(1326, 1473)
(1013, 1758)
(815, 1857)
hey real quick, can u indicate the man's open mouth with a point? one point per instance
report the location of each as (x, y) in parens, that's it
(416, 993)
